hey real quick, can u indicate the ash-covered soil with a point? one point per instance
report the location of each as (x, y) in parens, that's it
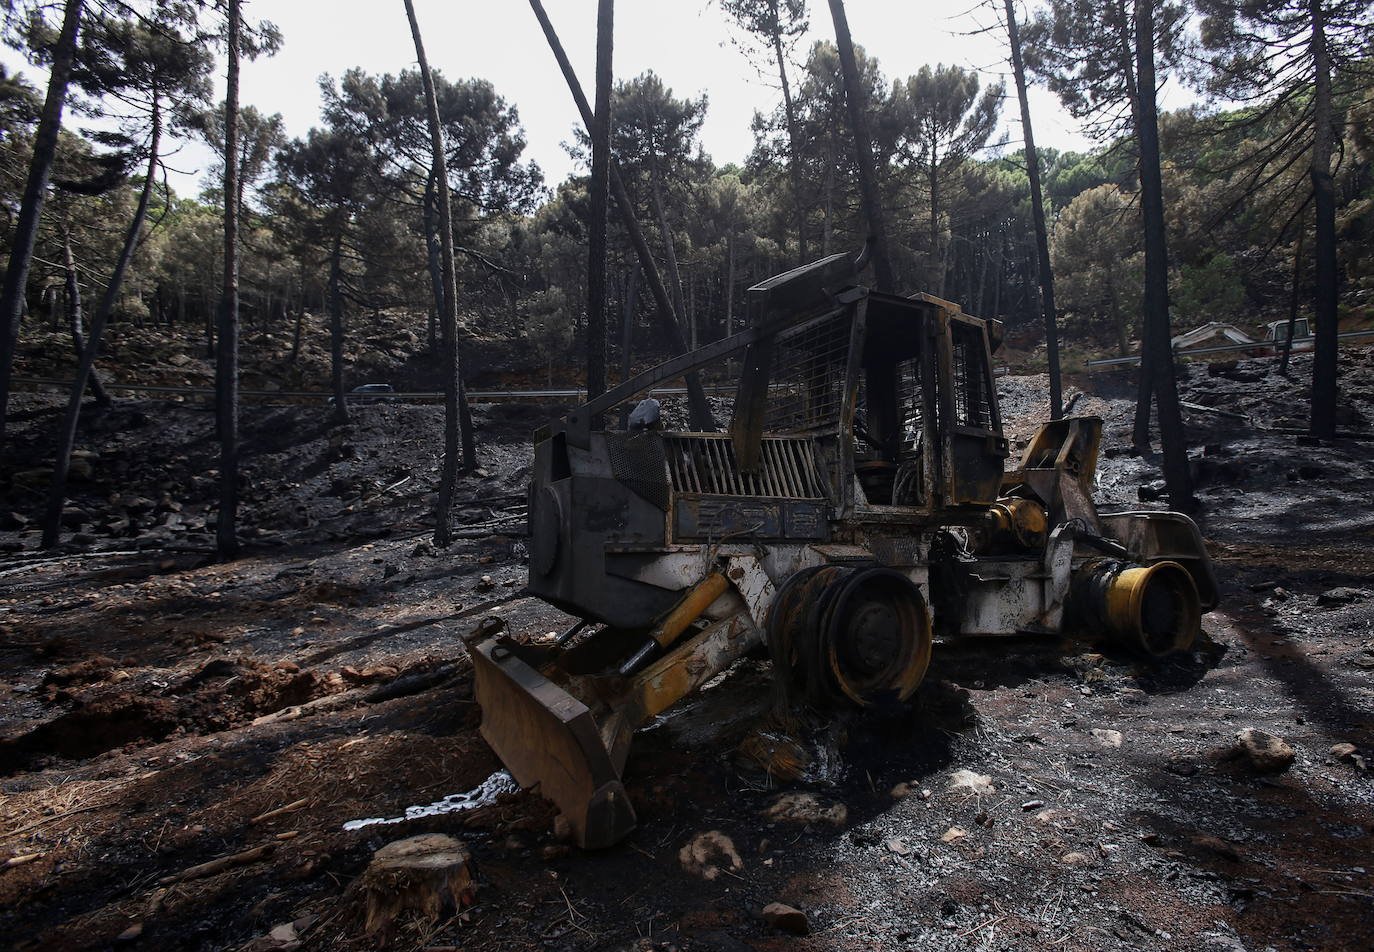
(156, 708)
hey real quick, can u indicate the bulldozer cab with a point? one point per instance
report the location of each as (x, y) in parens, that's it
(896, 392)
(926, 431)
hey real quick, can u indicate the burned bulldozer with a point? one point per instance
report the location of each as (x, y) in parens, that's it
(857, 509)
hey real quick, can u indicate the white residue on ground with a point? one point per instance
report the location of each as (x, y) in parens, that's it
(484, 793)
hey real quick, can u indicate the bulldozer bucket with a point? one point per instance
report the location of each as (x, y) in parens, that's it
(549, 739)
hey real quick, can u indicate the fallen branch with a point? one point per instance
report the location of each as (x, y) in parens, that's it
(990, 922)
(280, 811)
(329, 702)
(382, 492)
(1204, 409)
(28, 565)
(217, 866)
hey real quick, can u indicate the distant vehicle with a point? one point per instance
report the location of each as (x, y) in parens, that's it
(371, 393)
(1229, 333)
(1276, 333)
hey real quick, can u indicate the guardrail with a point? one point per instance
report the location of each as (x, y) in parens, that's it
(1111, 362)
(324, 395)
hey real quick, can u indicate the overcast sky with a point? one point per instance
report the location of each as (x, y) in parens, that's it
(687, 42)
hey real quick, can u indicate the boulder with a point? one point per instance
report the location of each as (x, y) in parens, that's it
(1265, 752)
(786, 918)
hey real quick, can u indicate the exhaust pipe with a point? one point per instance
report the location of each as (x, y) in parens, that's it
(1152, 610)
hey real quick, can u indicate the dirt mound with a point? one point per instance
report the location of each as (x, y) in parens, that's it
(93, 727)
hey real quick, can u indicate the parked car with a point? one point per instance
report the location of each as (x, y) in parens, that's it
(370, 393)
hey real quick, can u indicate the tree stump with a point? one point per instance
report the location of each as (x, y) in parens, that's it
(424, 874)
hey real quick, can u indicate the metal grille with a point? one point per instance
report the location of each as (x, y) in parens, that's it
(806, 383)
(971, 399)
(637, 463)
(706, 464)
(912, 409)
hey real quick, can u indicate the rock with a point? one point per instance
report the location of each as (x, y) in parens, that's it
(1341, 596)
(425, 874)
(1076, 859)
(806, 809)
(1343, 751)
(709, 854)
(1265, 752)
(485, 583)
(952, 834)
(1107, 738)
(75, 518)
(33, 478)
(1217, 846)
(285, 936)
(422, 549)
(966, 781)
(1152, 491)
(901, 791)
(1181, 766)
(786, 918)
(898, 845)
(1220, 942)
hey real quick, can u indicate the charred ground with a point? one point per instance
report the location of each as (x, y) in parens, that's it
(155, 703)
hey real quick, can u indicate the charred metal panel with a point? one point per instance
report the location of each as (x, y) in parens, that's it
(1167, 536)
(803, 290)
(1003, 597)
(578, 508)
(698, 516)
(715, 516)
(804, 520)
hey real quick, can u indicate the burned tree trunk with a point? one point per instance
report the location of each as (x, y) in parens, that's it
(227, 362)
(454, 395)
(1324, 362)
(696, 396)
(66, 440)
(12, 300)
(75, 318)
(863, 147)
(336, 332)
(600, 132)
(1158, 367)
(1042, 241)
